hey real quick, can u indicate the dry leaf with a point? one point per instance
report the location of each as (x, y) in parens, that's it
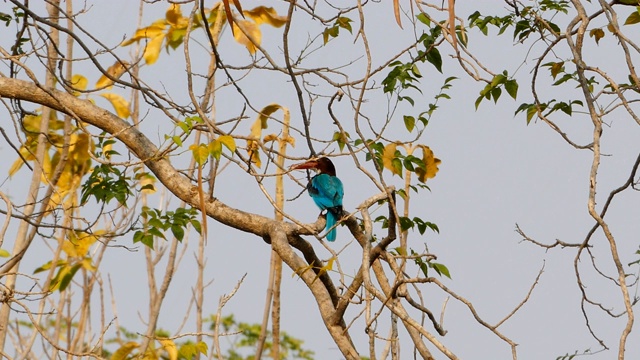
(268, 15)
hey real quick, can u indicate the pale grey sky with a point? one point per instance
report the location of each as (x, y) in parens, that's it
(496, 171)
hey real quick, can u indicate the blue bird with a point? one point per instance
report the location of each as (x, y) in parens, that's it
(326, 190)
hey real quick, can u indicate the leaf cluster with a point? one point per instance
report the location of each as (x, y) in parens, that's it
(157, 222)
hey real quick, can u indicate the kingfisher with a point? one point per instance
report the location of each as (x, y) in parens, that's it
(326, 190)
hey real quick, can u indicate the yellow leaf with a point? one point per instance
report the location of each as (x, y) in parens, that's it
(431, 164)
(147, 182)
(78, 243)
(270, 137)
(79, 82)
(150, 31)
(215, 149)
(388, 155)
(263, 117)
(170, 347)
(173, 14)
(123, 352)
(268, 15)
(252, 148)
(248, 34)
(200, 152)
(88, 264)
(115, 71)
(291, 141)
(228, 141)
(152, 50)
(597, 34)
(258, 125)
(69, 248)
(79, 149)
(119, 104)
(31, 123)
(26, 154)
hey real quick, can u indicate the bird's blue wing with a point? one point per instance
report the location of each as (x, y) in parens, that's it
(326, 191)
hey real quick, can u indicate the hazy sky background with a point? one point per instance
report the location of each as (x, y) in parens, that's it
(496, 171)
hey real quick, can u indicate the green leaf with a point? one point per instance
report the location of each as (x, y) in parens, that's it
(634, 18)
(68, 276)
(409, 122)
(512, 88)
(495, 93)
(434, 57)
(345, 23)
(178, 232)
(441, 269)
(406, 223)
(423, 18)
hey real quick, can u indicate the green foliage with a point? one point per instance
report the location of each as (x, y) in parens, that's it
(156, 223)
(482, 22)
(105, 183)
(637, 262)
(403, 75)
(334, 31)
(426, 264)
(634, 17)
(547, 108)
(493, 90)
(186, 126)
(408, 223)
(568, 356)
(189, 350)
(7, 18)
(535, 19)
(246, 339)
(341, 138)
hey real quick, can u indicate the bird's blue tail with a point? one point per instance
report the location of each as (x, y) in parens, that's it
(333, 214)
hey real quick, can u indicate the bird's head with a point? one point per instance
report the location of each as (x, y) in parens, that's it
(322, 165)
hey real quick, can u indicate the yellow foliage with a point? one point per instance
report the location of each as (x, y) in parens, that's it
(431, 164)
(152, 50)
(270, 137)
(123, 352)
(268, 15)
(259, 125)
(200, 153)
(115, 71)
(79, 83)
(156, 33)
(170, 347)
(228, 141)
(119, 104)
(79, 242)
(388, 156)
(174, 14)
(31, 128)
(78, 161)
(78, 165)
(147, 182)
(248, 34)
(149, 32)
(27, 154)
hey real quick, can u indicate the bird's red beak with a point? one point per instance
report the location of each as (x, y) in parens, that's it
(311, 164)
